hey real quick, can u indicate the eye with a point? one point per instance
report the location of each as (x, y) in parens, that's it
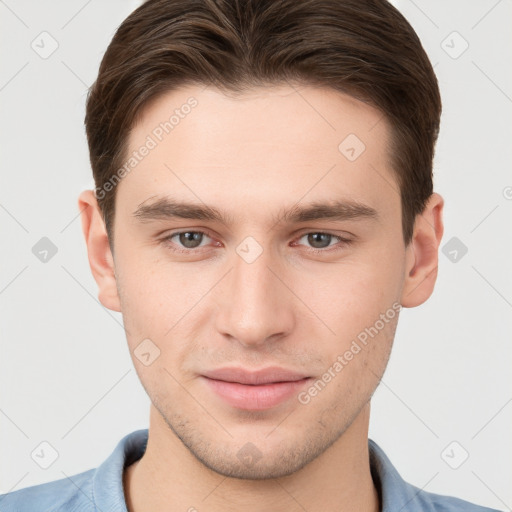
(189, 241)
(186, 241)
(321, 242)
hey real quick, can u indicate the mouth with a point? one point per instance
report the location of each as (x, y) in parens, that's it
(255, 390)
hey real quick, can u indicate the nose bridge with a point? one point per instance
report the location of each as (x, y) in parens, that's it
(254, 306)
(252, 279)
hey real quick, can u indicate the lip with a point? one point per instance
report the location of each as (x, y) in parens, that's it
(267, 375)
(255, 390)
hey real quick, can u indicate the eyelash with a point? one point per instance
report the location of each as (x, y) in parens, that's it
(342, 241)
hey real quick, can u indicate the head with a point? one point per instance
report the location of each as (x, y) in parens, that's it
(263, 198)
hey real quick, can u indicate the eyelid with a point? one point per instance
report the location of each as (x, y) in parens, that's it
(326, 231)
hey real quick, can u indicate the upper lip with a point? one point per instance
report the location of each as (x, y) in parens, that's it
(254, 377)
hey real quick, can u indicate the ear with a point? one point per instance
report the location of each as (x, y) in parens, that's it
(422, 254)
(101, 260)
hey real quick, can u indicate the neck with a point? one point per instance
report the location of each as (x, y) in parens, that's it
(169, 478)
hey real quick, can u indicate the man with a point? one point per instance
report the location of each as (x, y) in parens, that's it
(263, 210)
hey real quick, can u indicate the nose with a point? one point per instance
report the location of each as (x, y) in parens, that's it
(255, 307)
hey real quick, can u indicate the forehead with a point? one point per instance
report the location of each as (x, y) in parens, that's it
(277, 143)
(304, 114)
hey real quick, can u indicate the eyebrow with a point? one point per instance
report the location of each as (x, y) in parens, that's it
(165, 208)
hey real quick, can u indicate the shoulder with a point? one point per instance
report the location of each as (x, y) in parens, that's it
(92, 490)
(397, 494)
(441, 503)
(72, 493)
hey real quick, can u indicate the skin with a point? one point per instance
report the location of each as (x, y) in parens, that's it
(253, 156)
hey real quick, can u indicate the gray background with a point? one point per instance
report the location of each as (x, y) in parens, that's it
(66, 377)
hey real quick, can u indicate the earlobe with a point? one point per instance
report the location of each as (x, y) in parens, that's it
(422, 254)
(100, 256)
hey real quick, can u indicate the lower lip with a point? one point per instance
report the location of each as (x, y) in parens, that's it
(255, 398)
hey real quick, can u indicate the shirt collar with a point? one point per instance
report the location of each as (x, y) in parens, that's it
(394, 492)
(107, 485)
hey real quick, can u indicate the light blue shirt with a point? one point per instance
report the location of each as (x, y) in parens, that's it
(101, 489)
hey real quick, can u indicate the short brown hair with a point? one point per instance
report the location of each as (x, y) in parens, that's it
(364, 48)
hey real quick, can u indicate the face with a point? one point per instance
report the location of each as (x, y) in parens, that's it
(271, 301)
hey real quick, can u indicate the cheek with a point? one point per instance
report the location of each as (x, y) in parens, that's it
(352, 372)
(147, 300)
(150, 287)
(351, 296)
(157, 301)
